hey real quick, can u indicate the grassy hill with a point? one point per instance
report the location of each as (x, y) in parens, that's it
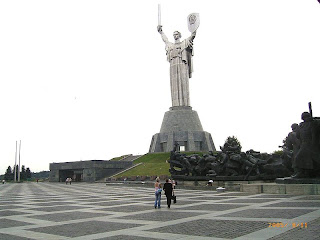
(153, 164)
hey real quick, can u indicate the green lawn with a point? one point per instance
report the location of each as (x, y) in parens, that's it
(153, 164)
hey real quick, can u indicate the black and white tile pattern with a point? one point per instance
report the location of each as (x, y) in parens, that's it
(84, 211)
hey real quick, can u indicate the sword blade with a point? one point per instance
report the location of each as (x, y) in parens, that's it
(159, 14)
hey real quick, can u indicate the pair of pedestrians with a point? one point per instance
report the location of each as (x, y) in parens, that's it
(168, 189)
(68, 180)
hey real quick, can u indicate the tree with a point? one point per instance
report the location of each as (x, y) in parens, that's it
(9, 174)
(232, 144)
(9, 170)
(23, 173)
(28, 173)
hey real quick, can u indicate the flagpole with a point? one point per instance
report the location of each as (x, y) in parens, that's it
(15, 163)
(19, 162)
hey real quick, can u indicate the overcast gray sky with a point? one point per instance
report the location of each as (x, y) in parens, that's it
(84, 80)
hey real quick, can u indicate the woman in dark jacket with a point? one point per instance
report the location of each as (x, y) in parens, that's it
(167, 187)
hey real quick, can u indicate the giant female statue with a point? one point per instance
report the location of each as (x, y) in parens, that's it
(179, 54)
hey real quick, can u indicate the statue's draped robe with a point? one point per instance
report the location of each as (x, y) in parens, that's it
(180, 57)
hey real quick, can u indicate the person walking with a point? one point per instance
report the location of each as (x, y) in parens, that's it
(174, 197)
(157, 189)
(167, 187)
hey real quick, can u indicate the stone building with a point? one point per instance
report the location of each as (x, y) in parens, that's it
(86, 171)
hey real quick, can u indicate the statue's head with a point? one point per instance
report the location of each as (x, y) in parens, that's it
(305, 116)
(294, 127)
(176, 35)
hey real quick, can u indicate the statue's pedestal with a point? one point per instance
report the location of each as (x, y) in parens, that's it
(182, 125)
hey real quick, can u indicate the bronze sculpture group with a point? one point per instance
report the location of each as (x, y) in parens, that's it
(305, 145)
(300, 157)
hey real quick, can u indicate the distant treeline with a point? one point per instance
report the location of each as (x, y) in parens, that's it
(25, 174)
(40, 175)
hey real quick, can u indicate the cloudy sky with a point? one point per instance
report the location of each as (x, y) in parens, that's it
(84, 80)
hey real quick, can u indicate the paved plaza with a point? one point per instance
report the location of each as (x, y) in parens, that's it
(83, 211)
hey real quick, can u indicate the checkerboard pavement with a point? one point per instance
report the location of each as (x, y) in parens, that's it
(83, 211)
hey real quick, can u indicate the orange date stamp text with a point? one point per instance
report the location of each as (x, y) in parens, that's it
(283, 225)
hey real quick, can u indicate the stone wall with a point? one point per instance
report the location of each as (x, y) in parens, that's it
(91, 170)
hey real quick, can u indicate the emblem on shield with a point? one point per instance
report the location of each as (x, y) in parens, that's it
(193, 21)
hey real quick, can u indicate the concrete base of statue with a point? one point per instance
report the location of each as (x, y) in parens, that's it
(182, 125)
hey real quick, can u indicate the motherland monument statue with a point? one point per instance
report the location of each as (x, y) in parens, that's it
(179, 54)
(181, 124)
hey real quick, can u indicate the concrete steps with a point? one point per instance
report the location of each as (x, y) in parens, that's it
(130, 158)
(105, 179)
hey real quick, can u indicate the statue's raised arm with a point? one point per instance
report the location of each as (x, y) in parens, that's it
(163, 36)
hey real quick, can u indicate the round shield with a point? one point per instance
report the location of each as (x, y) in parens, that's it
(193, 21)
